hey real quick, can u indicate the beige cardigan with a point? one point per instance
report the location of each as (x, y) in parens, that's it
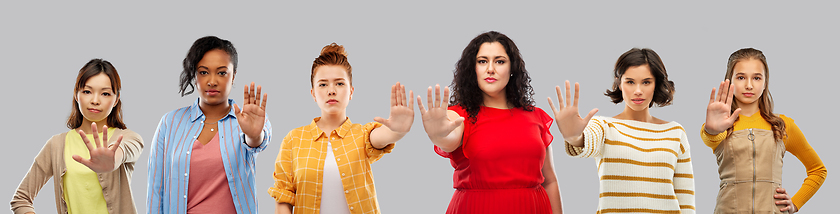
(50, 163)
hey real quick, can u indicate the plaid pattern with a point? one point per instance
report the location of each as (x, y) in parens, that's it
(299, 169)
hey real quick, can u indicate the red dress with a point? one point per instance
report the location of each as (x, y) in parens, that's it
(498, 167)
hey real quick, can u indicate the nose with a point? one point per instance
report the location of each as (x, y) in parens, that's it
(331, 91)
(491, 68)
(749, 85)
(638, 90)
(95, 100)
(212, 82)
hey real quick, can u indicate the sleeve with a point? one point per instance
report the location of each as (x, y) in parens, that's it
(712, 141)
(797, 145)
(156, 169)
(374, 154)
(545, 127)
(131, 145)
(684, 177)
(266, 138)
(593, 141)
(284, 188)
(34, 180)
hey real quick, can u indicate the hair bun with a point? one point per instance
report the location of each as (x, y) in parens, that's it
(334, 48)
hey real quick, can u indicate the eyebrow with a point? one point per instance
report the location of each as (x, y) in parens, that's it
(497, 57)
(742, 73)
(628, 78)
(336, 79)
(205, 67)
(106, 88)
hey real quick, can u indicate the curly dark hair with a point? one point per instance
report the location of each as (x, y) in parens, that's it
(200, 47)
(465, 90)
(663, 95)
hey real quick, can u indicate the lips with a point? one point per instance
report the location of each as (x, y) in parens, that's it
(212, 92)
(93, 110)
(332, 101)
(638, 100)
(490, 79)
(748, 94)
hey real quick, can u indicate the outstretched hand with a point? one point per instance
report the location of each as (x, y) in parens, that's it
(718, 116)
(435, 119)
(568, 119)
(402, 111)
(251, 118)
(102, 157)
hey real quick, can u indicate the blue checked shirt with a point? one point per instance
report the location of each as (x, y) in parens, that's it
(169, 160)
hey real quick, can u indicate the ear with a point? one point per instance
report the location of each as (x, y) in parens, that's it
(117, 101)
(312, 91)
(351, 92)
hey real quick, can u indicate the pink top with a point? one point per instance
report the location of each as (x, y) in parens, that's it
(208, 186)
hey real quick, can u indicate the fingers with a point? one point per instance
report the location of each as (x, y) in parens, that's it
(411, 104)
(551, 104)
(82, 161)
(402, 95)
(577, 93)
(712, 97)
(259, 94)
(105, 135)
(236, 110)
(590, 115)
(246, 97)
(420, 106)
(251, 96)
(394, 95)
(559, 98)
(730, 95)
(86, 140)
(445, 103)
(781, 190)
(96, 141)
(437, 95)
(117, 144)
(721, 97)
(568, 95)
(457, 122)
(264, 101)
(429, 98)
(381, 120)
(735, 115)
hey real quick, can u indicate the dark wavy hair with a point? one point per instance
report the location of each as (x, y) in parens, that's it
(196, 53)
(765, 102)
(663, 95)
(465, 90)
(92, 68)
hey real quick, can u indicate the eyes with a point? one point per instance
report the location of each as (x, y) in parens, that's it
(743, 78)
(220, 73)
(325, 85)
(484, 61)
(107, 94)
(644, 82)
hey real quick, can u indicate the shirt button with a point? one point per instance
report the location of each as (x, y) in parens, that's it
(342, 174)
(333, 138)
(195, 136)
(185, 174)
(335, 149)
(188, 152)
(185, 196)
(338, 159)
(351, 208)
(346, 191)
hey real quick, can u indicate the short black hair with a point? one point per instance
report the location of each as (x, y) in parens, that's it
(196, 53)
(663, 95)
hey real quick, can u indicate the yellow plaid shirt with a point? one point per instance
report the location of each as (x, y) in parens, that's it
(299, 169)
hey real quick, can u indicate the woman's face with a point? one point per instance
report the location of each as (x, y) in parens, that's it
(214, 77)
(637, 87)
(332, 90)
(97, 98)
(748, 78)
(492, 68)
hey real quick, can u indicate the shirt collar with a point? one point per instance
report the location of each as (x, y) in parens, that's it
(196, 113)
(341, 130)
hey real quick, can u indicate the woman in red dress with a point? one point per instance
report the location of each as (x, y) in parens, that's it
(496, 139)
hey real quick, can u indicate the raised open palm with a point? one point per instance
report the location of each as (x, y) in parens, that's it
(402, 111)
(568, 119)
(435, 119)
(102, 157)
(252, 117)
(718, 116)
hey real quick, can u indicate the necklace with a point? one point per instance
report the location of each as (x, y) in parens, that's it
(217, 121)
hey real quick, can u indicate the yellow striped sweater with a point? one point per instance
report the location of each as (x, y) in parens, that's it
(643, 167)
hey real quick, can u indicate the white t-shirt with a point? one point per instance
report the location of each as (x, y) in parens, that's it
(332, 193)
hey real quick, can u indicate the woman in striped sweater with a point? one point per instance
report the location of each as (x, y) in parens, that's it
(644, 163)
(750, 141)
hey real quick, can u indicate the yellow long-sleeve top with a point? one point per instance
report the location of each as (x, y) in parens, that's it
(795, 143)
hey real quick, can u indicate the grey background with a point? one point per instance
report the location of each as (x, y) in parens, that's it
(417, 43)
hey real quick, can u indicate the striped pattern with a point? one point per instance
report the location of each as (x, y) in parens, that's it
(299, 168)
(169, 160)
(643, 167)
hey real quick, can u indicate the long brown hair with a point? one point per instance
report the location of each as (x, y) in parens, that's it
(332, 54)
(765, 102)
(93, 68)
